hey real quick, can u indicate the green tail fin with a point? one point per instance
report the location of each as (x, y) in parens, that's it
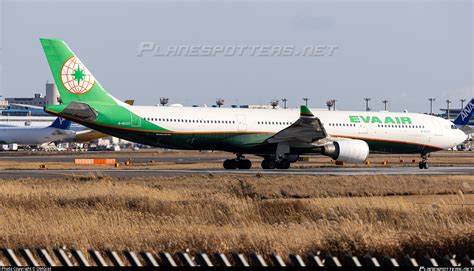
(73, 79)
(305, 112)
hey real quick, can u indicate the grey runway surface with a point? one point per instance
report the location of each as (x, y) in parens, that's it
(128, 173)
(121, 159)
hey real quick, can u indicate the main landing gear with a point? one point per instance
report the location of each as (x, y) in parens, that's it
(240, 162)
(272, 164)
(423, 164)
(268, 163)
(281, 159)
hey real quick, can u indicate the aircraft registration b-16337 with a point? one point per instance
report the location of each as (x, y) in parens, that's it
(279, 136)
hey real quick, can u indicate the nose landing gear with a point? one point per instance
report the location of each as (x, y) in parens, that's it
(423, 164)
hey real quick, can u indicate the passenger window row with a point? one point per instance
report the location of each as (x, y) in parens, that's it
(274, 122)
(342, 124)
(378, 125)
(191, 121)
(400, 126)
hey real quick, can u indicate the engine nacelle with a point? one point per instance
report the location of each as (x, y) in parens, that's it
(348, 150)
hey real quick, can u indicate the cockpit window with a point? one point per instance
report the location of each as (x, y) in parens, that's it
(453, 127)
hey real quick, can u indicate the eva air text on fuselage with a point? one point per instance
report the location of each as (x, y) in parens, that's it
(381, 120)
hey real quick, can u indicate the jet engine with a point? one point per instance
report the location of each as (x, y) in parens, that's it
(348, 150)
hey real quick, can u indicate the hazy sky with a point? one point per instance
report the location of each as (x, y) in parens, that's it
(403, 51)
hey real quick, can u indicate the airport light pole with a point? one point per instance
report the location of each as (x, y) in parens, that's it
(431, 105)
(274, 103)
(284, 100)
(334, 104)
(306, 100)
(447, 108)
(367, 100)
(462, 103)
(164, 101)
(220, 102)
(385, 102)
(329, 104)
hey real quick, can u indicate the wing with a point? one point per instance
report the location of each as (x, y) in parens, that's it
(306, 130)
(88, 135)
(27, 106)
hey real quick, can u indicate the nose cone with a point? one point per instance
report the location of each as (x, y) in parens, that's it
(460, 137)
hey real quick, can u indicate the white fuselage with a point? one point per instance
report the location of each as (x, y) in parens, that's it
(395, 127)
(33, 135)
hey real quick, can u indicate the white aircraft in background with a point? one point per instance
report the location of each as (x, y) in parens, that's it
(279, 136)
(59, 130)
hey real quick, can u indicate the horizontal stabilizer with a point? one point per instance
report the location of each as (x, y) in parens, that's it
(81, 111)
(27, 106)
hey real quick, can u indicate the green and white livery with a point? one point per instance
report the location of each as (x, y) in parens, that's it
(279, 136)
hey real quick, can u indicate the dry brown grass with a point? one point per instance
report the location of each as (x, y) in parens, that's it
(234, 213)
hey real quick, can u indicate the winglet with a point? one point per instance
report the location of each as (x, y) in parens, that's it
(305, 112)
(129, 102)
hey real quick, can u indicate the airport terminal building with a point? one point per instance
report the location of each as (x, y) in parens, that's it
(453, 113)
(12, 114)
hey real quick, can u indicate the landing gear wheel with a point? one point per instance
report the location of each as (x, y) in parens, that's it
(269, 164)
(423, 164)
(230, 164)
(283, 164)
(244, 164)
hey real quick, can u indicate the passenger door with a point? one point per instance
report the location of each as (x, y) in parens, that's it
(437, 127)
(363, 128)
(241, 123)
(135, 120)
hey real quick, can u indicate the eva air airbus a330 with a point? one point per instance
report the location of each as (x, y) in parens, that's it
(279, 136)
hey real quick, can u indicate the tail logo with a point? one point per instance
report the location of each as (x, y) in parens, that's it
(75, 77)
(466, 112)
